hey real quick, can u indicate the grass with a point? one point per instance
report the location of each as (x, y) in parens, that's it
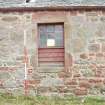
(41, 100)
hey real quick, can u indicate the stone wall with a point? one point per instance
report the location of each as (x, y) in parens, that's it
(84, 71)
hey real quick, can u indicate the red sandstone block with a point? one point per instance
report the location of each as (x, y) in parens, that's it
(80, 91)
(84, 56)
(99, 73)
(85, 84)
(95, 80)
(61, 74)
(104, 81)
(81, 12)
(7, 69)
(77, 75)
(93, 66)
(92, 54)
(37, 16)
(30, 70)
(101, 67)
(64, 74)
(74, 13)
(71, 82)
(33, 82)
(99, 55)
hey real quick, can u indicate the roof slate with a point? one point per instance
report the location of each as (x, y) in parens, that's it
(12, 1)
(50, 3)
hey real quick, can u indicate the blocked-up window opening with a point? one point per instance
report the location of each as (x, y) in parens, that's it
(51, 45)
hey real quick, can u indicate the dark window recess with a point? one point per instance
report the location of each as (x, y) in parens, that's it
(51, 45)
(27, 1)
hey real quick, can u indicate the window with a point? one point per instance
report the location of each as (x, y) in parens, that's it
(27, 1)
(51, 34)
(51, 45)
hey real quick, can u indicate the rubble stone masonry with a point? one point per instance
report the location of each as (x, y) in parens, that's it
(84, 37)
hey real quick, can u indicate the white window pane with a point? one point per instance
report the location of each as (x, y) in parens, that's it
(50, 42)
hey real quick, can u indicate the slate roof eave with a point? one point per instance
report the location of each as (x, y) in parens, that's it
(49, 6)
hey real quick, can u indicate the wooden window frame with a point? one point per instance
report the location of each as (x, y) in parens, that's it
(39, 24)
(51, 24)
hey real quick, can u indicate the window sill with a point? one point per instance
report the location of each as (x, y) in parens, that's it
(50, 69)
